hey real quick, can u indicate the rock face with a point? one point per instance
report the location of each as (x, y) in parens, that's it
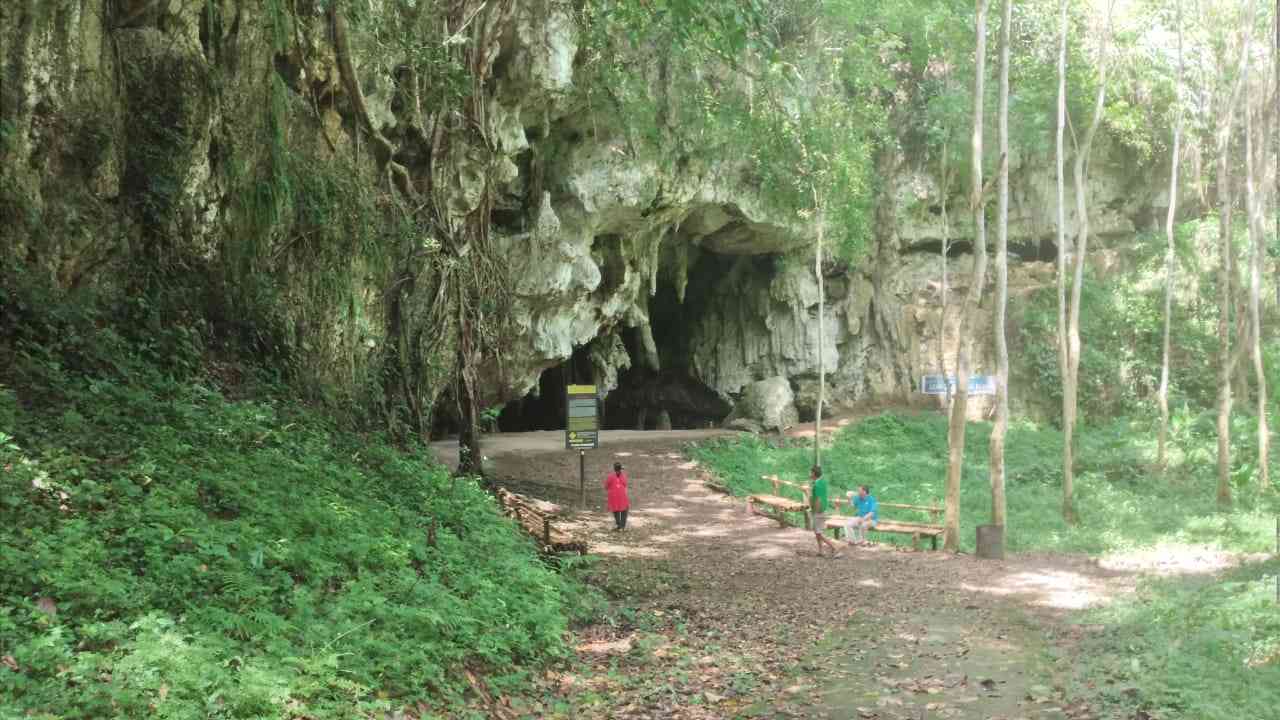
(768, 402)
(129, 142)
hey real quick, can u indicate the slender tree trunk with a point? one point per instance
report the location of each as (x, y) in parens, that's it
(1224, 331)
(945, 399)
(1063, 358)
(1225, 120)
(1254, 228)
(822, 378)
(956, 426)
(470, 459)
(1070, 387)
(1002, 284)
(1273, 133)
(1169, 255)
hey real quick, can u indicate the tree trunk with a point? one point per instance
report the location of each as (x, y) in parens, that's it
(1002, 285)
(470, 459)
(1224, 331)
(1253, 211)
(945, 399)
(822, 378)
(474, 280)
(1225, 120)
(1062, 242)
(1072, 375)
(956, 426)
(1162, 456)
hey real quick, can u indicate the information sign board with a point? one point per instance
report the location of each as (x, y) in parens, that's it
(582, 424)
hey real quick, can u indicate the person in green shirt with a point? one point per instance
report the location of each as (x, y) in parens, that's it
(819, 503)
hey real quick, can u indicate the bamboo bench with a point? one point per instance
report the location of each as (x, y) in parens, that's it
(780, 504)
(536, 517)
(835, 521)
(932, 530)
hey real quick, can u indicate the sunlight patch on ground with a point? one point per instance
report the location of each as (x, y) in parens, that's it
(1172, 559)
(670, 513)
(620, 646)
(665, 538)
(617, 550)
(768, 552)
(1060, 589)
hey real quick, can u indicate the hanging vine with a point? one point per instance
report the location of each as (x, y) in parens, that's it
(442, 62)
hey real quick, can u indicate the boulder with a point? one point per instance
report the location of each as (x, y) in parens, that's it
(769, 402)
(745, 425)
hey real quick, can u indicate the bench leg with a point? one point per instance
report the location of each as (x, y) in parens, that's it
(808, 521)
(934, 538)
(915, 541)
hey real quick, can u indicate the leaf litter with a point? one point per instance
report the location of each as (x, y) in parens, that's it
(718, 614)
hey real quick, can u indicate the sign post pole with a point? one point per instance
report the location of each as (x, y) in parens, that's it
(582, 479)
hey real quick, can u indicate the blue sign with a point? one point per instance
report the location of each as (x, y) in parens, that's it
(939, 385)
(936, 384)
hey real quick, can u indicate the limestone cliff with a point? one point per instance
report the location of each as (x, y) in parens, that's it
(217, 139)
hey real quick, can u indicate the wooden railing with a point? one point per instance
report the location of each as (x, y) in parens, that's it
(537, 518)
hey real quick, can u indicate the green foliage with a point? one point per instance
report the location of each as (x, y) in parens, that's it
(723, 28)
(1121, 330)
(904, 459)
(215, 558)
(311, 234)
(744, 82)
(1199, 647)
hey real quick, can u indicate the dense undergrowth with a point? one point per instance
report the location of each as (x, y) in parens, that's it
(1122, 502)
(169, 551)
(1205, 647)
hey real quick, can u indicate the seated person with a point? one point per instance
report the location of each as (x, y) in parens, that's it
(865, 513)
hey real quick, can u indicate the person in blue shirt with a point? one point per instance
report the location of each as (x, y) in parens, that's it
(866, 511)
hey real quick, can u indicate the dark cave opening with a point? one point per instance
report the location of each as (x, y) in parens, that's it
(933, 247)
(1042, 250)
(645, 398)
(543, 408)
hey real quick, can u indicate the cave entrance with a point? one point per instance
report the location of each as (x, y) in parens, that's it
(1029, 250)
(543, 408)
(673, 396)
(646, 398)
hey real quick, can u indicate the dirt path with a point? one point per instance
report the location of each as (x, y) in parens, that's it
(722, 614)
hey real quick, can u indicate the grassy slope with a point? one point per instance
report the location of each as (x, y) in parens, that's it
(213, 558)
(1206, 648)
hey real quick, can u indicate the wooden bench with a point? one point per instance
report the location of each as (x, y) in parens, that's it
(932, 530)
(536, 517)
(780, 504)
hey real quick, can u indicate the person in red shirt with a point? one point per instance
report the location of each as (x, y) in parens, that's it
(615, 487)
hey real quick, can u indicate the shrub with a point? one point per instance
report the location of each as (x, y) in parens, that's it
(166, 547)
